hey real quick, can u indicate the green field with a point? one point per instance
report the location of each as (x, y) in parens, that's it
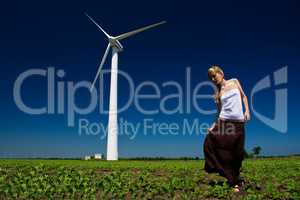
(265, 178)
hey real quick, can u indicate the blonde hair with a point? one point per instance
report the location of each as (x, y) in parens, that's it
(213, 70)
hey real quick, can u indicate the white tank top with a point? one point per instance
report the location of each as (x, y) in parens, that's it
(231, 105)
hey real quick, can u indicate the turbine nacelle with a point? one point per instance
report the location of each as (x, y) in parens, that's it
(115, 43)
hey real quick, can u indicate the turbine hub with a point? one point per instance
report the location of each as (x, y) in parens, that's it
(115, 43)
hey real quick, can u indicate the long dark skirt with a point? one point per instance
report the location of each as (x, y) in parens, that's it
(224, 150)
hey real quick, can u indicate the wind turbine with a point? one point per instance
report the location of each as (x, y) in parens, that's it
(116, 46)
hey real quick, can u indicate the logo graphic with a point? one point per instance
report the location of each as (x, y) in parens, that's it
(280, 121)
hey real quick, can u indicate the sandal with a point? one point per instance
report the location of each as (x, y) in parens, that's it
(236, 188)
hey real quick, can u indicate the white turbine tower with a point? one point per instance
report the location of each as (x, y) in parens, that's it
(114, 43)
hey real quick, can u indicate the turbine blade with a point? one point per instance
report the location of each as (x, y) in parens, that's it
(97, 25)
(128, 34)
(100, 66)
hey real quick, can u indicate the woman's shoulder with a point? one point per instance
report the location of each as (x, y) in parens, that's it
(233, 82)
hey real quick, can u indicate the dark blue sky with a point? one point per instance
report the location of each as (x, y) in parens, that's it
(250, 40)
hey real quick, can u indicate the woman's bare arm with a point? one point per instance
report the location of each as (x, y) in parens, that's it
(244, 99)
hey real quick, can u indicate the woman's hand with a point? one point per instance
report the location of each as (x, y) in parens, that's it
(247, 115)
(212, 127)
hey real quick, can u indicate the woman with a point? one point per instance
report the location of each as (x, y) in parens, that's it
(224, 143)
